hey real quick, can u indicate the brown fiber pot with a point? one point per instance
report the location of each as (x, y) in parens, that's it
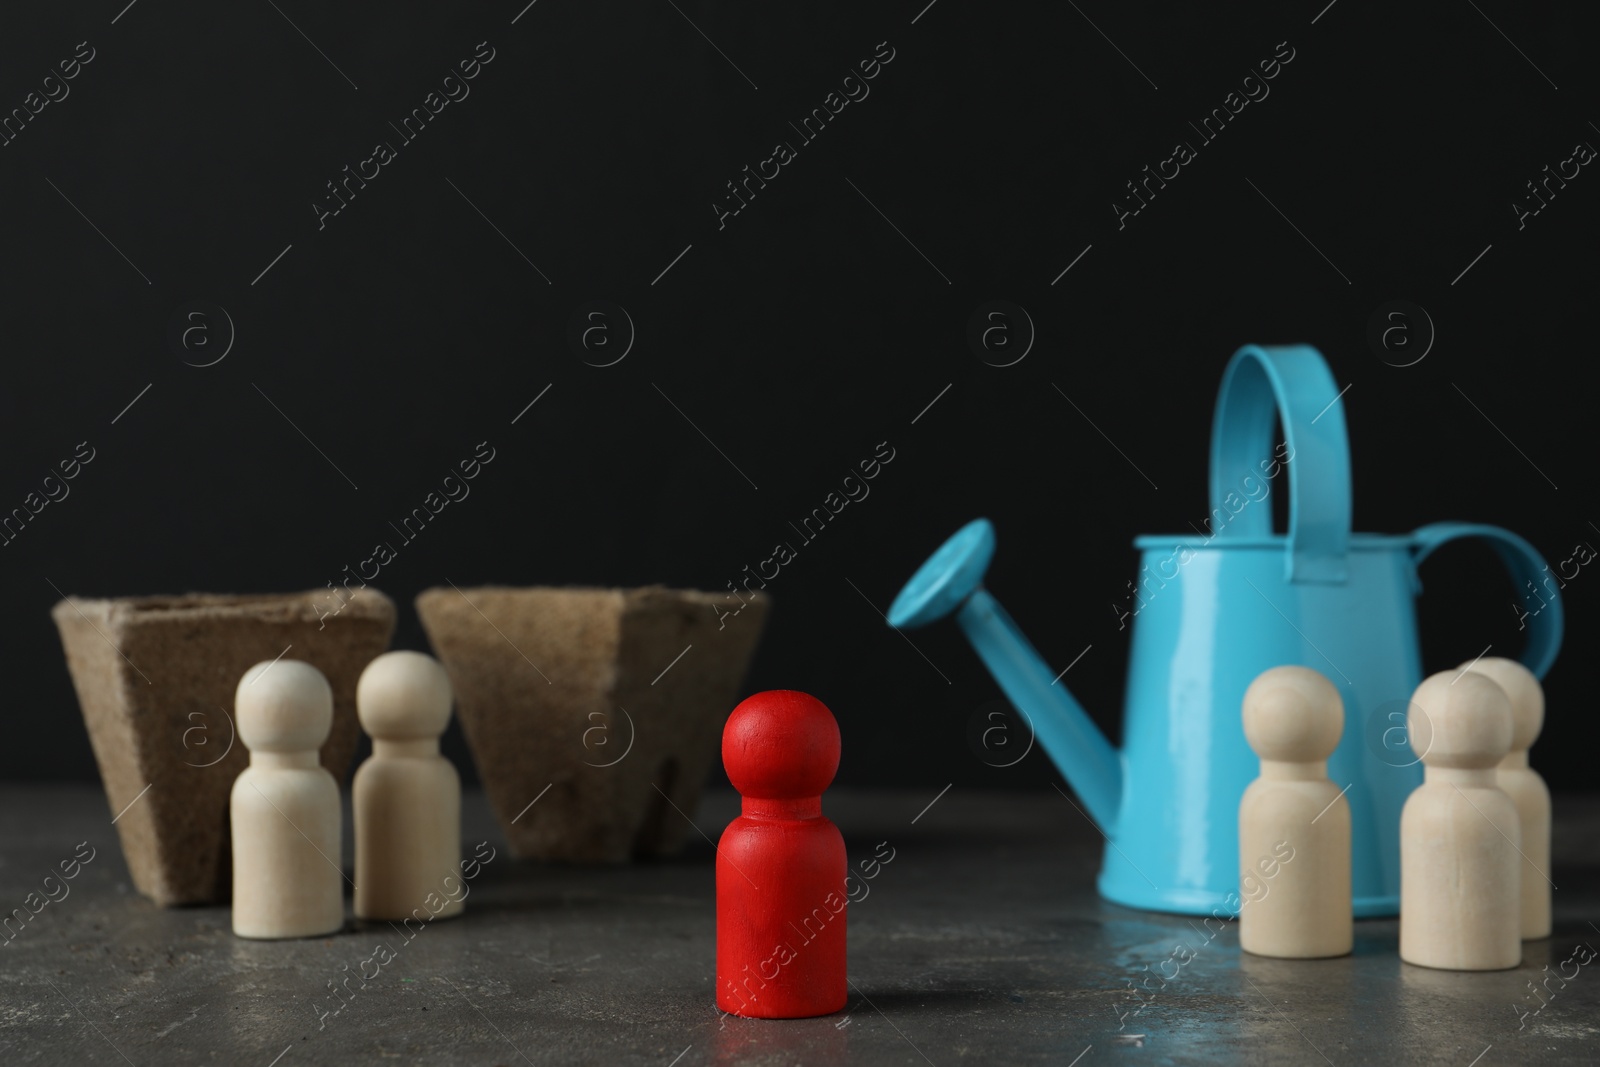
(155, 678)
(593, 714)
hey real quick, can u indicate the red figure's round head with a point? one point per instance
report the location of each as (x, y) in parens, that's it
(781, 745)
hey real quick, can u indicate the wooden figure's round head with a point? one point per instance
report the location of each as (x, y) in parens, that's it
(1293, 715)
(403, 696)
(1459, 719)
(1525, 693)
(781, 745)
(283, 706)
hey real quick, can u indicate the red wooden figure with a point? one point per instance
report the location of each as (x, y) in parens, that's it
(781, 866)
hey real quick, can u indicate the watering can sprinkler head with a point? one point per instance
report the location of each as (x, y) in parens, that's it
(947, 579)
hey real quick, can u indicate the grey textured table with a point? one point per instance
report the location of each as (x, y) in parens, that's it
(980, 942)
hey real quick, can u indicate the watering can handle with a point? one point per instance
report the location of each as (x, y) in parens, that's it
(1290, 384)
(1525, 565)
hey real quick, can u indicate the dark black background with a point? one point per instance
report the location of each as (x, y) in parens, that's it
(798, 337)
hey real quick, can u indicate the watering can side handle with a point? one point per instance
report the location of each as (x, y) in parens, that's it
(1524, 563)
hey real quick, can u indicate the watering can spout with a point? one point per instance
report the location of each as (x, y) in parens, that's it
(951, 583)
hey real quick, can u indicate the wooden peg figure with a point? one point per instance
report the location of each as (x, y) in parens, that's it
(284, 808)
(1294, 824)
(1525, 787)
(781, 865)
(407, 796)
(1460, 872)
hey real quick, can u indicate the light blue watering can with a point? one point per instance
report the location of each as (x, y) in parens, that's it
(1214, 610)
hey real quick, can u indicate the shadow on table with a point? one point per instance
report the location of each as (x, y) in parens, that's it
(550, 903)
(864, 1000)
